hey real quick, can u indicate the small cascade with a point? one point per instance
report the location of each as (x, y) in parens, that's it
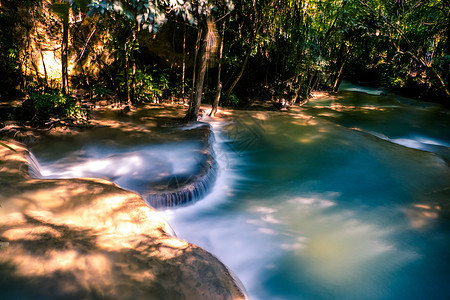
(184, 190)
(165, 175)
(34, 168)
(191, 190)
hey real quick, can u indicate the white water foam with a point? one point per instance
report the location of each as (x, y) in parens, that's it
(346, 86)
(418, 142)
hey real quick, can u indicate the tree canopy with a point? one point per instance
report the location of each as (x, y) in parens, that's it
(151, 50)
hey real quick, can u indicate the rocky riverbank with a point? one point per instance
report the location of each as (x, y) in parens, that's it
(88, 238)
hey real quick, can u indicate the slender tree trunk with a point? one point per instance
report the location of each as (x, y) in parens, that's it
(298, 86)
(133, 70)
(38, 44)
(337, 72)
(194, 72)
(219, 70)
(194, 107)
(43, 61)
(64, 51)
(127, 76)
(133, 80)
(311, 84)
(338, 78)
(183, 72)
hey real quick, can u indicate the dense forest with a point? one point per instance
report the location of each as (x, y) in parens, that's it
(58, 52)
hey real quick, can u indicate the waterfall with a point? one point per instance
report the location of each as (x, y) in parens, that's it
(34, 167)
(167, 174)
(194, 187)
(189, 191)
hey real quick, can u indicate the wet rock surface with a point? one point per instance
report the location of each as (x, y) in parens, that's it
(88, 238)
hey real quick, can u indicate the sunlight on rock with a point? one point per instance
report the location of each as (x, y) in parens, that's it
(115, 202)
(328, 114)
(31, 233)
(12, 218)
(89, 270)
(312, 122)
(175, 243)
(128, 228)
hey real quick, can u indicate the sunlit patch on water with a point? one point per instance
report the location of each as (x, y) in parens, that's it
(330, 248)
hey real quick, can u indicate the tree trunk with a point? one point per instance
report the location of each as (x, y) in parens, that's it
(133, 80)
(127, 76)
(194, 72)
(219, 70)
(133, 70)
(299, 79)
(338, 78)
(183, 72)
(64, 50)
(194, 106)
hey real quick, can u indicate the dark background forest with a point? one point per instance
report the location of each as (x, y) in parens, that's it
(56, 53)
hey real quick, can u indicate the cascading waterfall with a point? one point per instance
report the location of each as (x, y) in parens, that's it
(34, 167)
(165, 175)
(186, 189)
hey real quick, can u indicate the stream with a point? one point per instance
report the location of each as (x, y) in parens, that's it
(344, 198)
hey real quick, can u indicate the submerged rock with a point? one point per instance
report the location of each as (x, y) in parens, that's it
(88, 238)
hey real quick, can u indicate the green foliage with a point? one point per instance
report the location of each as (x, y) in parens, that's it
(293, 45)
(100, 90)
(150, 86)
(234, 100)
(149, 15)
(10, 74)
(42, 107)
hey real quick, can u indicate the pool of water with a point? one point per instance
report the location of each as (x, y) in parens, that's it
(345, 198)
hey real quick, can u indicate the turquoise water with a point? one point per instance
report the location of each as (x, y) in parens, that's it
(346, 198)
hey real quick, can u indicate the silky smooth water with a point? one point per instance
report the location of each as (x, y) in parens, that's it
(345, 198)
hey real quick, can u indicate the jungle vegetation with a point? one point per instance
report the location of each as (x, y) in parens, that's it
(227, 51)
